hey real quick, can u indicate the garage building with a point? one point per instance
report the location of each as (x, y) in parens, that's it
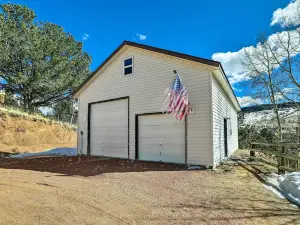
(120, 108)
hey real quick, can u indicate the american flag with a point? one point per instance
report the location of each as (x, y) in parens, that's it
(177, 102)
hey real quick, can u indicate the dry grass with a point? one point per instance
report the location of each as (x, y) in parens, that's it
(22, 132)
(15, 112)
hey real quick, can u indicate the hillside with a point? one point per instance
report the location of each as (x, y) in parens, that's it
(21, 132)
(257, 108)
(263, 116)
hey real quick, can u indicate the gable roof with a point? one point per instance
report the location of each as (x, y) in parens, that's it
(159, 50)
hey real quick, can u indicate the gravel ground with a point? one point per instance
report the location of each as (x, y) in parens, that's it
(89, 190)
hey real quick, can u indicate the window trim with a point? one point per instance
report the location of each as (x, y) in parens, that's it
(124, 67)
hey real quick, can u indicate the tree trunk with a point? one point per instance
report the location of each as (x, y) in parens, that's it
(278, 122)
(27, 104)
(72, 118)
(275, 108)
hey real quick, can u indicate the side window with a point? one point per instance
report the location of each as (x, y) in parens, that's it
(128, 66)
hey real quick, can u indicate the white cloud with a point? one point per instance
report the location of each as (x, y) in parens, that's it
(237, 89)
(288, 90)
(85, 37)
(141, 37)
(287, 15)
(291, 93)
(231, 61)
(248, 101)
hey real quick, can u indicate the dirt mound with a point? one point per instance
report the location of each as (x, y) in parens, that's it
(24, 134)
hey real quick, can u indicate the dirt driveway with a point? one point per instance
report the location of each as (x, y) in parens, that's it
(94, 191)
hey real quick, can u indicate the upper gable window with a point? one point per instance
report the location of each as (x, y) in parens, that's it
(128, 66)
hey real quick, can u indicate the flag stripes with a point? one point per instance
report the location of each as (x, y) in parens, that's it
(176, 102)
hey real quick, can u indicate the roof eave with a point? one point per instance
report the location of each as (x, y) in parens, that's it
(236, 102)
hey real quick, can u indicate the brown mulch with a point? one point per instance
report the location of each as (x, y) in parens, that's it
(85, 165)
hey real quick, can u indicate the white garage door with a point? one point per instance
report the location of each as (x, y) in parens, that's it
(161, 138)
(109, 129)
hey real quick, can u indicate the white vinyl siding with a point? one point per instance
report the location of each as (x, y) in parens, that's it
(223, 108)
(153, 73)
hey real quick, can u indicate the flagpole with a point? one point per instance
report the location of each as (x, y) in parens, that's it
(175, 72)
(167, 99)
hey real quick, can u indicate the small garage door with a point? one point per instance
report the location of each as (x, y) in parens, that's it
(161, 138)
(109, 129)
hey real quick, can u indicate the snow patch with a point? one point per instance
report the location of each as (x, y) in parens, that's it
(288, 183)
(270, 188)
(194, 168)
(291, 185)
(53, 152)
(265, 117)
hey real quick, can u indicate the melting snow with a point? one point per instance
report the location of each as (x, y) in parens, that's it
(54, 152)
(288, 183)
(270, 188)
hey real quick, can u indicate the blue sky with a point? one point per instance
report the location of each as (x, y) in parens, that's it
(200, 28)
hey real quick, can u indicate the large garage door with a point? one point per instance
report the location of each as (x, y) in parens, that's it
(109, 129)
(161, 138)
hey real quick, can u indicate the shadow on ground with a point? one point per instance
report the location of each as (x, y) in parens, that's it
(237, 204)
(245, 210)
(85, 165)
(258, 173)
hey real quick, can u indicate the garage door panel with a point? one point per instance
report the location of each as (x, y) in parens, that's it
(110, 121)
(180, 145)
(110, 105)
(160, 120)
(111, 151)
(157, 141)
(114, 130)
(149, 154)
(165, 126)
(111, 143)
(170, 156)
(161, 138)
(117, 152)
(121, 142)
(109, 129)
(112, 118)
(161, 132)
